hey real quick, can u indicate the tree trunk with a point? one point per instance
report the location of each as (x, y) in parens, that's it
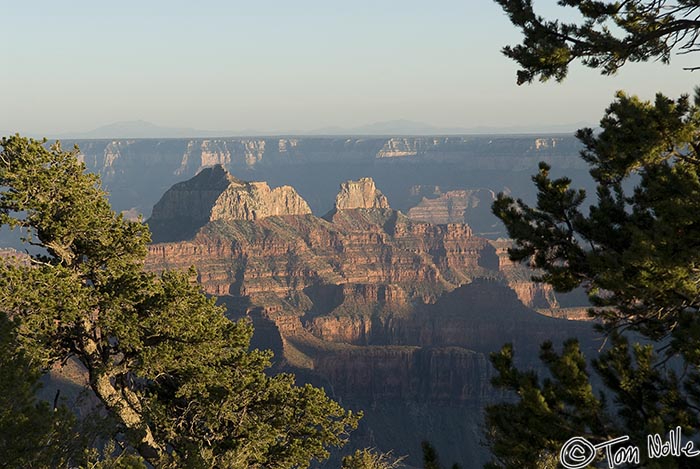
(115, 400)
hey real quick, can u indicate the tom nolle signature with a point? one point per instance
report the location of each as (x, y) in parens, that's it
(578, 452)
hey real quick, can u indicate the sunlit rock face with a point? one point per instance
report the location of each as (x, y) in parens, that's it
(360, 194)
(391, 315)
(214, 194)
(136, 172)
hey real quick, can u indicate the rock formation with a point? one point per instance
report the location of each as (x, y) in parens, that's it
(216, 195)
(452, 206)
(360, 194)
(388, 313)
(137, 172)
(471, 206)
(12, 256)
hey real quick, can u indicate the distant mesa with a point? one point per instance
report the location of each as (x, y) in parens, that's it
(136, 129)
(360, 194)
(215, 194)
(458, 206)
(390, 313)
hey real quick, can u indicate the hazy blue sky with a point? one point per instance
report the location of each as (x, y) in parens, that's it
(285, 66)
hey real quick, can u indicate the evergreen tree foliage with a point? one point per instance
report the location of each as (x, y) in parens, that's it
(634, 248)
(608, 35)
(368, 458)
(32, 434)
(431, 459)
(636, 252)
(646, 400)
(173, 372)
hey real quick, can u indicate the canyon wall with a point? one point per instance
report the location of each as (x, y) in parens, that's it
(137, 172)
(390, 315)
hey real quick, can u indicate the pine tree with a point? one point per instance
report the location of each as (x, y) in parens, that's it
(431, 459)
(636, 252)
(634, 249)
(173, 372)
(608, 35)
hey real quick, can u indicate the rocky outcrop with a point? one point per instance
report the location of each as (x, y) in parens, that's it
(214, 194)
(535, 295)
(471, 206)
(360, 194)
(476, 316)
(263, 244)
(452, 206)
(209, 152)
(540, 296)
(136, 172)
(255, 200)
(376, 307)
(13, 257)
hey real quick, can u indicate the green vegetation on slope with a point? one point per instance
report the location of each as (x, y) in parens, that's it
(175, 375)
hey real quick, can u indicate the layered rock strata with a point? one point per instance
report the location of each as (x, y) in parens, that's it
(374, 306)
(136, 172)
(216, 195)
(360, 194)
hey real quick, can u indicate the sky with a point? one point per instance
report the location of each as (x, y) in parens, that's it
(281, 67)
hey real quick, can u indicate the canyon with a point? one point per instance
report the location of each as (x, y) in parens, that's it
(136, 172)
(391, 315)
(370, 266)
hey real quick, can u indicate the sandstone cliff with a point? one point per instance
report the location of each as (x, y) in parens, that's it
(387, 313)
(12, 256)
(137, 172)
(214, 194)
(360, 194)
(356, 277)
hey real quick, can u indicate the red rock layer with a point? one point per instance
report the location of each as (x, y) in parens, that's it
(366, 299)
